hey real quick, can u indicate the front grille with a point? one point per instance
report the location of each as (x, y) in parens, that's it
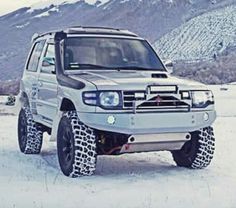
(157, 102)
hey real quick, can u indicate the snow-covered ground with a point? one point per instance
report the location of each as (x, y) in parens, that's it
(3, 99)
(10, 110)
(147, 180)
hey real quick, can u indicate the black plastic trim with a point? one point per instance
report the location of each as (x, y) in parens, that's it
(63, 79)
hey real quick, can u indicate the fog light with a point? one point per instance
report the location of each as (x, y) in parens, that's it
(111, 120)
(206, 117)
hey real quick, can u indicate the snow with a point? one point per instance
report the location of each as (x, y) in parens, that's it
(3, 99)
(146, 180)
(47, 3)
(22, 25)
(201, 37)
(47, 13)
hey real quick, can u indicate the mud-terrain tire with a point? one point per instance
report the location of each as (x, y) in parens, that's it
(198, 152)
(76, 146)
(30, 135)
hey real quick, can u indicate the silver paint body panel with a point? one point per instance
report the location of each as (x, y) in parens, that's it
(45, 97)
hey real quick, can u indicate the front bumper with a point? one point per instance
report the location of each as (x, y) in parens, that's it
(149, 123)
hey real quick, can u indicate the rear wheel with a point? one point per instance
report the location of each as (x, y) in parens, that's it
(30, 135)
(198, 152)
(76, 146)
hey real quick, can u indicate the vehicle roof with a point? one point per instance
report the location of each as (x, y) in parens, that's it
(90, 30)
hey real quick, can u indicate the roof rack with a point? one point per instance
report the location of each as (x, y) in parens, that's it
(99, 30)
(95, 27)
(36, 35)
(88, 30)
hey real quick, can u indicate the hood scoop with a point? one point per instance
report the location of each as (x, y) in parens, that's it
(160, 76)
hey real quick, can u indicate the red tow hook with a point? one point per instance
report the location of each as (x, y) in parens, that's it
(127, 146)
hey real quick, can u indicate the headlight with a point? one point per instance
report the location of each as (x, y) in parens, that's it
(104, 99)
(109, 99)
(201, 99)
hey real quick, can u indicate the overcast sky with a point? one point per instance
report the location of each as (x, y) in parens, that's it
(7, 6)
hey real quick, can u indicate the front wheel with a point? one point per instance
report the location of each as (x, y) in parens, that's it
(76, 146)
(198, 152)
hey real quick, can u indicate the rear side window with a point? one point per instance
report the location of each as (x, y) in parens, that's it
(35, 56)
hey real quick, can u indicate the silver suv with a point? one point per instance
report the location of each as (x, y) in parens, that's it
(104, 91)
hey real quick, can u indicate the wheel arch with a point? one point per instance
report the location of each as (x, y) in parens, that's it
(24, 99)
(67, 105)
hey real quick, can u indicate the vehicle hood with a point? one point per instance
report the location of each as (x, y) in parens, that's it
(138, 80)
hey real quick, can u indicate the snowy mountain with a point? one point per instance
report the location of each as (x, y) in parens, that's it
(202, 37)
(53, 4)
(151, 19)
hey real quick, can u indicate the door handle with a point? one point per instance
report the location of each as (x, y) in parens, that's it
(40, 84)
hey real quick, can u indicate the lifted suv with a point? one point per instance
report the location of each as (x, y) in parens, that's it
(103, 91)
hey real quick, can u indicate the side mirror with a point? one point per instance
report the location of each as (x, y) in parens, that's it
(48, 61)
(48, 65)
(169, 65)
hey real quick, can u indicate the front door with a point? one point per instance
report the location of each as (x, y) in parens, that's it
(47, 86)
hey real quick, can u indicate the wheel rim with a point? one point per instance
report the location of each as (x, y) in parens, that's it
(188, 148)
(22, 131)
(67, 148)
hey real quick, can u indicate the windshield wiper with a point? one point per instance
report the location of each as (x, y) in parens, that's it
(86, 66)
(137, 68)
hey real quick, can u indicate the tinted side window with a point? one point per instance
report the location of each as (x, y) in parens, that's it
(48, 65)
(50, 51)
(35, 56)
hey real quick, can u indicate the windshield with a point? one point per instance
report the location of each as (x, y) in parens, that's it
(109, 53)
